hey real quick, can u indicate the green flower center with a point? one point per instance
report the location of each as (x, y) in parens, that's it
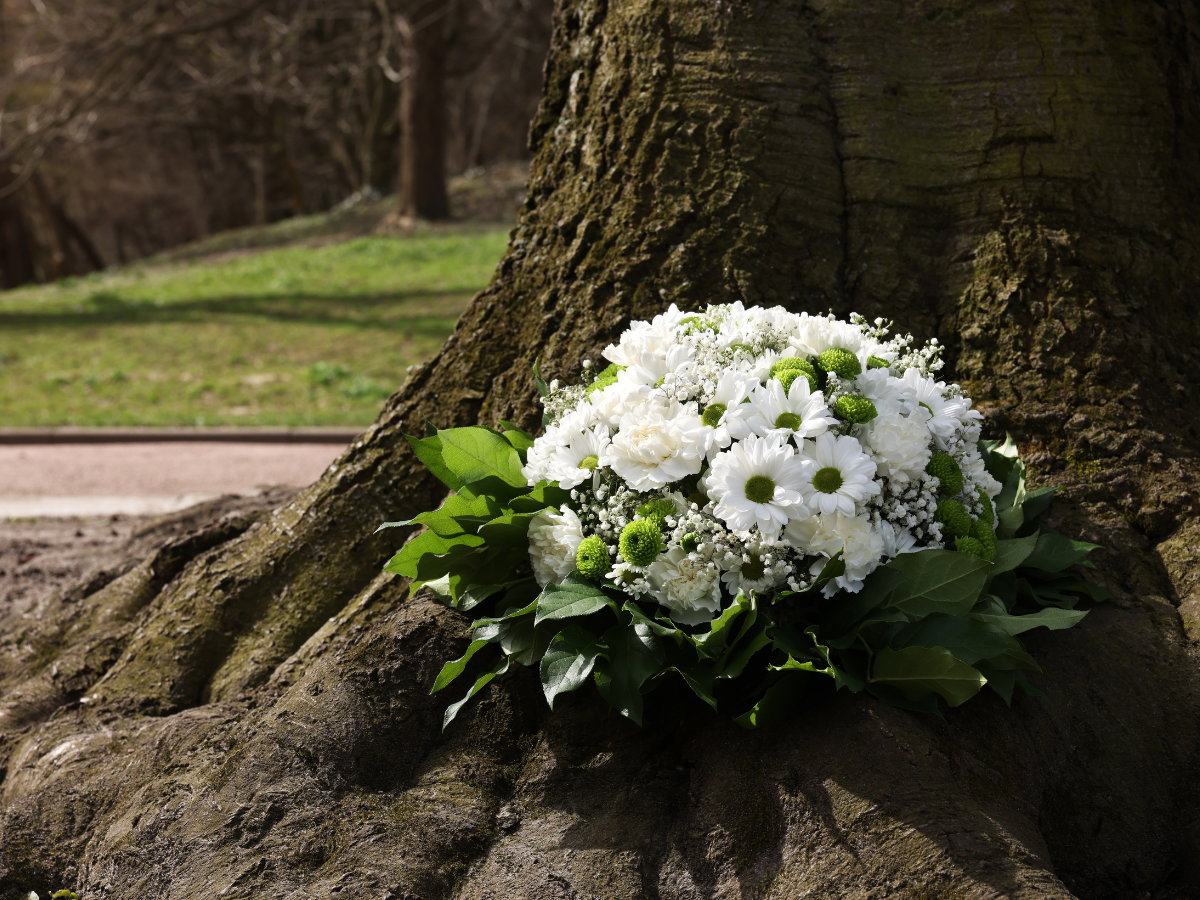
(712, 415)
(589, 462)
(827, 480)
(592, 558)
(788, 420)
(760, 489)
(691, 541)
(753, 570)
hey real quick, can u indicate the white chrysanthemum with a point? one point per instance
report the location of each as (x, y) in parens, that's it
(896, 539)
(797, 413)
(656, 336)
(841, 477)
(945, 416)
(653, 370)
(687, 584)
(538, 459)
(979, 474)
(899, 444)
(618, 400)
(726, 413)
(824, 535)
(554, 539)
(574, 462)
(656, 445)
(816, 334)
(888, 393)
(757, 484)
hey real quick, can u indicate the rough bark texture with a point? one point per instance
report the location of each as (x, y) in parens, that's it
(1019, 179)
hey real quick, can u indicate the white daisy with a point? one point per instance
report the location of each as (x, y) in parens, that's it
(840, 475)
(726, 413)
(756, 567)
(945, 416)
(886, 391)
(797, 413)
(757, 483)
(554, 539)
(574, 462)
(656, 445)
(687, 584)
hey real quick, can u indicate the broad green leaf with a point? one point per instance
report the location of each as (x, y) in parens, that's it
(777, 705)
(1012, 495)
(1011, 520)
(543, 495)
(1054, 553)
(753, 639)
(895, 697)
(508, 530)
(429, 555)
(429, 451)
(474, 454)
(568, 661)
(1052, 618)
(511, 613)
(470, 597)
(1014, 657)
(1000, 680)
(699, 678)
(631, 655)
(521, 440)
(640, 618)
(998, 458)
(454, 668)
(1011, 553)
(794, 665)
(848, 609)
(483, 681)
(917, 671)
(966, 643)
(1037, 502)
(938, 581)
(842, 677)
(878, 617)
(712, 644)
(570, 600)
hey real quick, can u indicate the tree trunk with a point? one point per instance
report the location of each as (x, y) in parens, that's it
(422, 187)
(1021, 181)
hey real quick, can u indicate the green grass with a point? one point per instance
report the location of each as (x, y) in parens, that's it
(294, 336)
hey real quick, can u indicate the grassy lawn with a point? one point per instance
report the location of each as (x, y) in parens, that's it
(294, 336)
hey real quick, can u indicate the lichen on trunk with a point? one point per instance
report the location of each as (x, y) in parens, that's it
(1018, 180)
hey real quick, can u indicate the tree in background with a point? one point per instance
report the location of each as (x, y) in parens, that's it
(153, 123)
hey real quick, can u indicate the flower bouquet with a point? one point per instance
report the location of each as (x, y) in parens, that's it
(748, 499)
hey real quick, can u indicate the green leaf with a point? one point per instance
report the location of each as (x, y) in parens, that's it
(1054, 553)
(777, 705)
(454, 668)
(512, 613)
(956, 635)
(639, 617)
(575, 597)
(568, 661)
(1037, 502)
(753, 639)
(842, 677)
(521, 440)
(918, 671)
(699, 678)
(1052, 618)
(483, 681)
(1014, 657)
(1012, 495)
(508, 530)
(543, 495)
(876, 589)
(477, 455)
(1011, 553)
(999, 680)
(429, 555)
(542, 388)
(1011, 520)
(998, 458)
(631, 655)
(712, 644)
(429, 451)
(938, 581)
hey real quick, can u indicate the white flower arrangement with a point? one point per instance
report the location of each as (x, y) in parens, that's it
(774, 427)
(747, 485)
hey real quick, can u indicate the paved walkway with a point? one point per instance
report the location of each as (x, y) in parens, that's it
(147, 478)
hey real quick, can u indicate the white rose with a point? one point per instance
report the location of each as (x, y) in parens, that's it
(554, 539)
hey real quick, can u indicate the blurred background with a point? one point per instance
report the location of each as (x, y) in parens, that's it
(249, 212)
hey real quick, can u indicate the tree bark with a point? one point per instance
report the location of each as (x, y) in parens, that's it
(1019, 180)
(422, 187)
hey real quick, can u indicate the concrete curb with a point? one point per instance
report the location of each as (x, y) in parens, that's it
(138, 435)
